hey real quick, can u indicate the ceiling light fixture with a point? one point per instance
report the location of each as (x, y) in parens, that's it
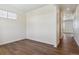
(68, 9)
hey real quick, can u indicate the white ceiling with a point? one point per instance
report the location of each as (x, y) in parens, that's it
(22, 7)
(68, 8)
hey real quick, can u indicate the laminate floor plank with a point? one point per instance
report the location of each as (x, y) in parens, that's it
(30, 47)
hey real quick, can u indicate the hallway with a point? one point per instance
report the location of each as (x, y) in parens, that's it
(69, 45)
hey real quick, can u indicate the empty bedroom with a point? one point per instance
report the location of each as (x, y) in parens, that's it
(39, 29)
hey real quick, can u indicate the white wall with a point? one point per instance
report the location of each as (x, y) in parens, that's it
(12, 30)
(76, 26)
(41, 24)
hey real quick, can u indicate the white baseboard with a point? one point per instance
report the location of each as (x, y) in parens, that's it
(6, 42)
(11, 41)
(42, 42)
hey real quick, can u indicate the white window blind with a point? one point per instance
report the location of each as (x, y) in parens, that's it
(11, 15)
(7, 14)
(4, 14)
(1, 13)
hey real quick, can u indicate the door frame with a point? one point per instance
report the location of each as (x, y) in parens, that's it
(59, 26)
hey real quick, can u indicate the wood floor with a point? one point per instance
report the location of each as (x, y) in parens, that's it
(29, 47)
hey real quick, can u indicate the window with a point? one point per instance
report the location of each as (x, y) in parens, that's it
(7, 14)
(1, 12)
(11, 15)
(4, 14)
